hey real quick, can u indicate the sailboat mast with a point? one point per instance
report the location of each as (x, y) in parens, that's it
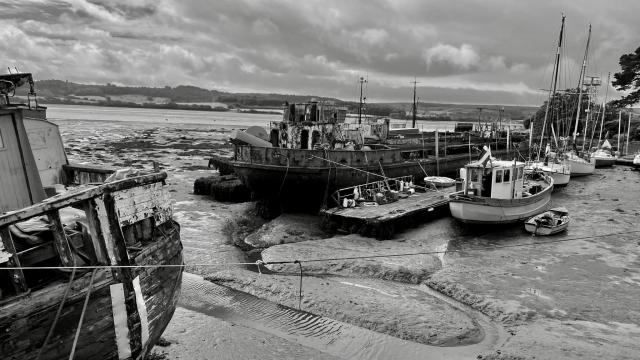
(580, 85)
(586, 120)
(604, 108)
(626, 150)
(415, 107)
(362, 81)
(552, 92)
(619, 124)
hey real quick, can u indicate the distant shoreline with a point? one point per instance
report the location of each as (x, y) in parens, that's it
(168, 106)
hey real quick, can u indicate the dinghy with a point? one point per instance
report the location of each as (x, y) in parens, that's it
(439, 181)
(549, 222)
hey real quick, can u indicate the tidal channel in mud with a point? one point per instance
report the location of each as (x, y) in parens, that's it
(327, 335)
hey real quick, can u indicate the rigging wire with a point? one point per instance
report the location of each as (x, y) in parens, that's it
(372, 256)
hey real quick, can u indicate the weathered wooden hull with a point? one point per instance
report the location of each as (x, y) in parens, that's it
(480, 210)
(25, 321)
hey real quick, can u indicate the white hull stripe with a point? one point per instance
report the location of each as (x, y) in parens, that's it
(142, 311)
(120, 320)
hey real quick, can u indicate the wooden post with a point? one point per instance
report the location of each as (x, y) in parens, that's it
(60, 240)
(95, 232)
(437, 155)
(17, 276)
(109, 224)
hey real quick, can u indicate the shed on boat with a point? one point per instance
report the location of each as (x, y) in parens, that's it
(20, 183)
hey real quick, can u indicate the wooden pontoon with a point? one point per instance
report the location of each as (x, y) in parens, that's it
(399, 208)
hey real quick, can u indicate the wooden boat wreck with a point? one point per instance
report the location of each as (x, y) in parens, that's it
(549, 222)
(92, 272)
(497, 192)
(314, 151)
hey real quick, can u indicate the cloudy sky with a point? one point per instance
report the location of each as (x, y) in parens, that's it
(463, 51)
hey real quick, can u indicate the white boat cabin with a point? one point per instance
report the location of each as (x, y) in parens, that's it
(496, 179)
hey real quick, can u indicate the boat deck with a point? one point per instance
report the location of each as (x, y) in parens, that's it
(381, 221)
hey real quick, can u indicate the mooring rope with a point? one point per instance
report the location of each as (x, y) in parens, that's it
(84, 310)
(58, 312)
(435, 252)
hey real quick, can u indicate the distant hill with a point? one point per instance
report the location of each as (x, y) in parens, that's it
(64, 91)
(195, 98)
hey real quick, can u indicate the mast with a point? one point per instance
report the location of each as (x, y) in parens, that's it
(626, 150)
(530, 134)
(552, 93)
(619, 124)
(362, 81)
(415, 106)
(580, 82)
(604, 108)
(588, 111)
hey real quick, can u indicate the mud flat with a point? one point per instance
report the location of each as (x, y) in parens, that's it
(467, 291)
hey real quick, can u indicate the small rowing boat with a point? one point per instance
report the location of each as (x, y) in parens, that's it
(549, 222)
(439, 181)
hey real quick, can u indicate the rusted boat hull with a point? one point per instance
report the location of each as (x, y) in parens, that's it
(295, 176)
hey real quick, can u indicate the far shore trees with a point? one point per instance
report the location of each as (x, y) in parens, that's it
(628, 79)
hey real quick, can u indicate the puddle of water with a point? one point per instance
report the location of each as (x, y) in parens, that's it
(324, 334)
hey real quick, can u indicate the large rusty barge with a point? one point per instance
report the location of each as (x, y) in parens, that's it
(314, 151)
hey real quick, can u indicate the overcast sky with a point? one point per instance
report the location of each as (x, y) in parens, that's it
(463, 51)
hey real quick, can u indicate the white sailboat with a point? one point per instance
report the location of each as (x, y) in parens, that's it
(636, 161)
(551, 165)
(602, 156)
(579, 165)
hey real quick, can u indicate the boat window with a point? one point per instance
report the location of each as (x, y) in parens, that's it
(315, 138)
(475, 175)
(304, 139)
(498, 176)
(275, 138)
(506, 177)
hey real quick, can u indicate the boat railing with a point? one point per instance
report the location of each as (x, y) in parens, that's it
(104, 224)
(370, 192)
(314, 158)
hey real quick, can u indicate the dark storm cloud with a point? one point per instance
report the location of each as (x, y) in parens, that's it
(125, 10)
(484, 50)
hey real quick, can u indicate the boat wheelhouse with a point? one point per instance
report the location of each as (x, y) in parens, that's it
(495, 192)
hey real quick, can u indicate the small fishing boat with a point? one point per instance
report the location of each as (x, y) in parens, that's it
(497, 192)
(439, 181)
(549, 222)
